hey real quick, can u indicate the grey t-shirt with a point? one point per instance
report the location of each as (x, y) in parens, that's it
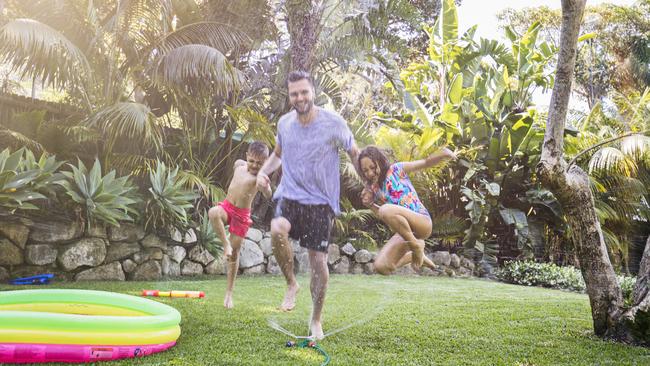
(310, 158)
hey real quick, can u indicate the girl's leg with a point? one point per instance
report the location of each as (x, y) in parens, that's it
(391, 254)
(411, 226)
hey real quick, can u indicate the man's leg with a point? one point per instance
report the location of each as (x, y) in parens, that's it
(318, 286)
(218, 216)
(233, 267)
(283, 252)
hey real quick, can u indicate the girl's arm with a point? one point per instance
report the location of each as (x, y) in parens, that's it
(431, 160)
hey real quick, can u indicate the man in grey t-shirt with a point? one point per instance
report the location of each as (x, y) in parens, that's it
(308, 143)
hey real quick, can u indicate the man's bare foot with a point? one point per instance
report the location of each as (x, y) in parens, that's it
(316, 331)
(227, 249)
(227, 302)
(417, 253)
(289, 301)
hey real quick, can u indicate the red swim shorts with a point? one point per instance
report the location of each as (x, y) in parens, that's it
(239, 219)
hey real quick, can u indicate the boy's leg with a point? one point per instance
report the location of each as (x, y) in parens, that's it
(218, 216)
(318, 287)
(233, 268)
(283, 252)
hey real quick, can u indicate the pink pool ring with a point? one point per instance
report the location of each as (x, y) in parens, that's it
(82, 326)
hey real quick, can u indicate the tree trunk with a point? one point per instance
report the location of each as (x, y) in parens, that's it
(571, 188)
(304, 26)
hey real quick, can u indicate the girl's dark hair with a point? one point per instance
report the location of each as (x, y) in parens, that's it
(378, 157)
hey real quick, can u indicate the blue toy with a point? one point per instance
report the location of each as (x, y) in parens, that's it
(42, 279)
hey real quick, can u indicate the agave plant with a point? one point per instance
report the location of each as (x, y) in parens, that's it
(23, 179)
(207, 237)
(168, 202)
(105, 199)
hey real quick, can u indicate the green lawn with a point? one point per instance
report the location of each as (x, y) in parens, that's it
(395, 321)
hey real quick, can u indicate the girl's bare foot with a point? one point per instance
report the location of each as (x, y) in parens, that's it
(289, 301)
(227, 302)
(417, 250)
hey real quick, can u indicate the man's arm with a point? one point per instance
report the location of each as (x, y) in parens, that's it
(270, 165)
(353, 153)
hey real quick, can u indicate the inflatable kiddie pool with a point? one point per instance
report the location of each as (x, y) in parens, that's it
(82, 326)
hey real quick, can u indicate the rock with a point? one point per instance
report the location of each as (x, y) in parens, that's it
(4, 274)
(177, 253)
(464, 272)
(369, 268)
(85, 252)
(140, 257)
(426, 271)
(273, 267)
(154, 253)
(254, 235)
(125, 232)
(147, 271)
(455, 261)
(201, 255)
(250, 255)
(267, 246)
(465, 262)
(302, 263)
(189, 268)
(153, 241)
(40, 254)
(55, 232)
(129, 266)
(342, 267)
(11, 254)
(362, 256)
(17, 233)
(450, 272)
(348, 249)
(441, 258)
(169, 267)
(405, 270)
(267, 234)
(188, 238)
(108, 272)
(217, 266)
(97, 230)
(357, 269)
(295, 244)
(120, 250)
(254, 270)
(333, 254)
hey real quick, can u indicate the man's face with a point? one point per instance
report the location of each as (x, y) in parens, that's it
(301, 96)
(254, 162)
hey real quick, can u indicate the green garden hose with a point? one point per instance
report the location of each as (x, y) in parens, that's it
(306, 343)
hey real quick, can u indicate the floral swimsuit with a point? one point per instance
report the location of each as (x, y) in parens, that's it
(398, 190)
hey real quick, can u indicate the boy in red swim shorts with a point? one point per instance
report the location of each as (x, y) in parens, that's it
(235, 210)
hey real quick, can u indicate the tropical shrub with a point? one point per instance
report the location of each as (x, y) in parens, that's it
(168, 202)
(207, 237)
(104, 199)
(23, 179)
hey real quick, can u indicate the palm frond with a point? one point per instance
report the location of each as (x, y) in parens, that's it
(197, 69)
(128, 119)
(16, 140)
(225, 38)
(635, 145)
(612, 159)
(37, 50)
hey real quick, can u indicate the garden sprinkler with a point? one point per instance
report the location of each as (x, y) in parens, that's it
(308, 343)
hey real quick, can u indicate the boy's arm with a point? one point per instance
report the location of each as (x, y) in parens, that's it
(431, 160)
(267, 192)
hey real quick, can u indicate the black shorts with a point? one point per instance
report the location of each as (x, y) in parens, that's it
(310, 224)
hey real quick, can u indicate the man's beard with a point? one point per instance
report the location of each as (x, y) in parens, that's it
(307, 108)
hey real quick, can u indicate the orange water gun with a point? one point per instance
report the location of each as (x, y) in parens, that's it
(157, 293)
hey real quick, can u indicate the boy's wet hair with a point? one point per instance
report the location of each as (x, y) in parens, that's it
(299, 75)
(378, 157)
(258, 148)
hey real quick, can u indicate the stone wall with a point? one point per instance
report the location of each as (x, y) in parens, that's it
(128, 253)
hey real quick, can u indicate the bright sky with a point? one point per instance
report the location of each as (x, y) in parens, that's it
(484, 13)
